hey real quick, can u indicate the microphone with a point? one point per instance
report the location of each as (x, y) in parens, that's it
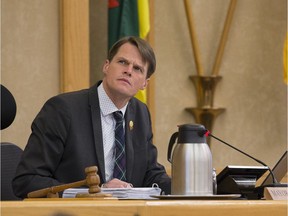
(8, 108)
(259, 190)
(208, 133)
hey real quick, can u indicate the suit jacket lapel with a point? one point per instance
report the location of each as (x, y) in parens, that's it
(97, 129)
(129, 122)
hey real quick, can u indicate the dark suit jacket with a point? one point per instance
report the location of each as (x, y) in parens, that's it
(67, 137)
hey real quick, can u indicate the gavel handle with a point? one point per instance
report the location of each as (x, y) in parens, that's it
(55, 189)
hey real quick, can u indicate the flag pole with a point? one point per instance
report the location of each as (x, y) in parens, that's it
(193, 38)
(226, 28)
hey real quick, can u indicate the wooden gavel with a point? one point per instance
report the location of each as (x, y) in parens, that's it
(92, 181)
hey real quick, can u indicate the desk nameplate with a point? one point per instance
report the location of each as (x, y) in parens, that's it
(276, 193)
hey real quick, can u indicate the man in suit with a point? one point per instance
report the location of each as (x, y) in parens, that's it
(76, 130)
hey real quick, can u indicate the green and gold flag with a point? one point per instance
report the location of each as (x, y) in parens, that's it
(128, 18)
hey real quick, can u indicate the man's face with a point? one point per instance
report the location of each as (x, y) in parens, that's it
(126, 73)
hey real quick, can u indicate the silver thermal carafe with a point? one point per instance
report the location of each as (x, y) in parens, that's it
(191, 161)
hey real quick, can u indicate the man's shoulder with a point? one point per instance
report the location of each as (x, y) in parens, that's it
(77, 93)
(73, 97)
(139, 108)
(137, 103)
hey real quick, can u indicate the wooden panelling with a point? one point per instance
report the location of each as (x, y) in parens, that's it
(74, 44)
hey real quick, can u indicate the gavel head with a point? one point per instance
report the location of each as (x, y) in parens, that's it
(92, 179)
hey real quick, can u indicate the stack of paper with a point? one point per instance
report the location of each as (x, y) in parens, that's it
(120, 193)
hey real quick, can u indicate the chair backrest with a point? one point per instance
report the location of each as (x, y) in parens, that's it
(8, 107)
(10, 157)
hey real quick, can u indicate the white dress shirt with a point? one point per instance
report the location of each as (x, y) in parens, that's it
(108, 122)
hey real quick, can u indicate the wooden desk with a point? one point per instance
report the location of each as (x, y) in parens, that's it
(144, 208)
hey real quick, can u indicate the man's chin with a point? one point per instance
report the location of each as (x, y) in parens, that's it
(125, 93)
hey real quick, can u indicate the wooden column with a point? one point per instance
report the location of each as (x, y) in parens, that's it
(151, 86)
(74, 45)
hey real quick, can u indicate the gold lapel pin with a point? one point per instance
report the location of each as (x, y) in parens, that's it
(131, 124)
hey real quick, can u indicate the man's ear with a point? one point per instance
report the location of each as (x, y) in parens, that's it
(106, 66)
(145, 84)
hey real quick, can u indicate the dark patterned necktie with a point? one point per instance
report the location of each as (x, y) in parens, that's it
(120, 157)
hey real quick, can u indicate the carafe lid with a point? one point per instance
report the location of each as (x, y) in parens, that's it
(189, 133)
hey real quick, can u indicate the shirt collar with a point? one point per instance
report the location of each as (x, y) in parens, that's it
(106, 105)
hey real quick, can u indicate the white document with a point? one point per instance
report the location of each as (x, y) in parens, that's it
(120, 193)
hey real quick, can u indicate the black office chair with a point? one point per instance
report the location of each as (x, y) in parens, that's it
(10, 153)
(10, 157)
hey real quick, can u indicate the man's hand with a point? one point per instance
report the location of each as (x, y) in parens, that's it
(116, 183)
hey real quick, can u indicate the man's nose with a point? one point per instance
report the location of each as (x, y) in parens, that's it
(129, 70)
(127, 73)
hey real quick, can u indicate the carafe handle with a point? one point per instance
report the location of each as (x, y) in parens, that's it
(171, 143)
